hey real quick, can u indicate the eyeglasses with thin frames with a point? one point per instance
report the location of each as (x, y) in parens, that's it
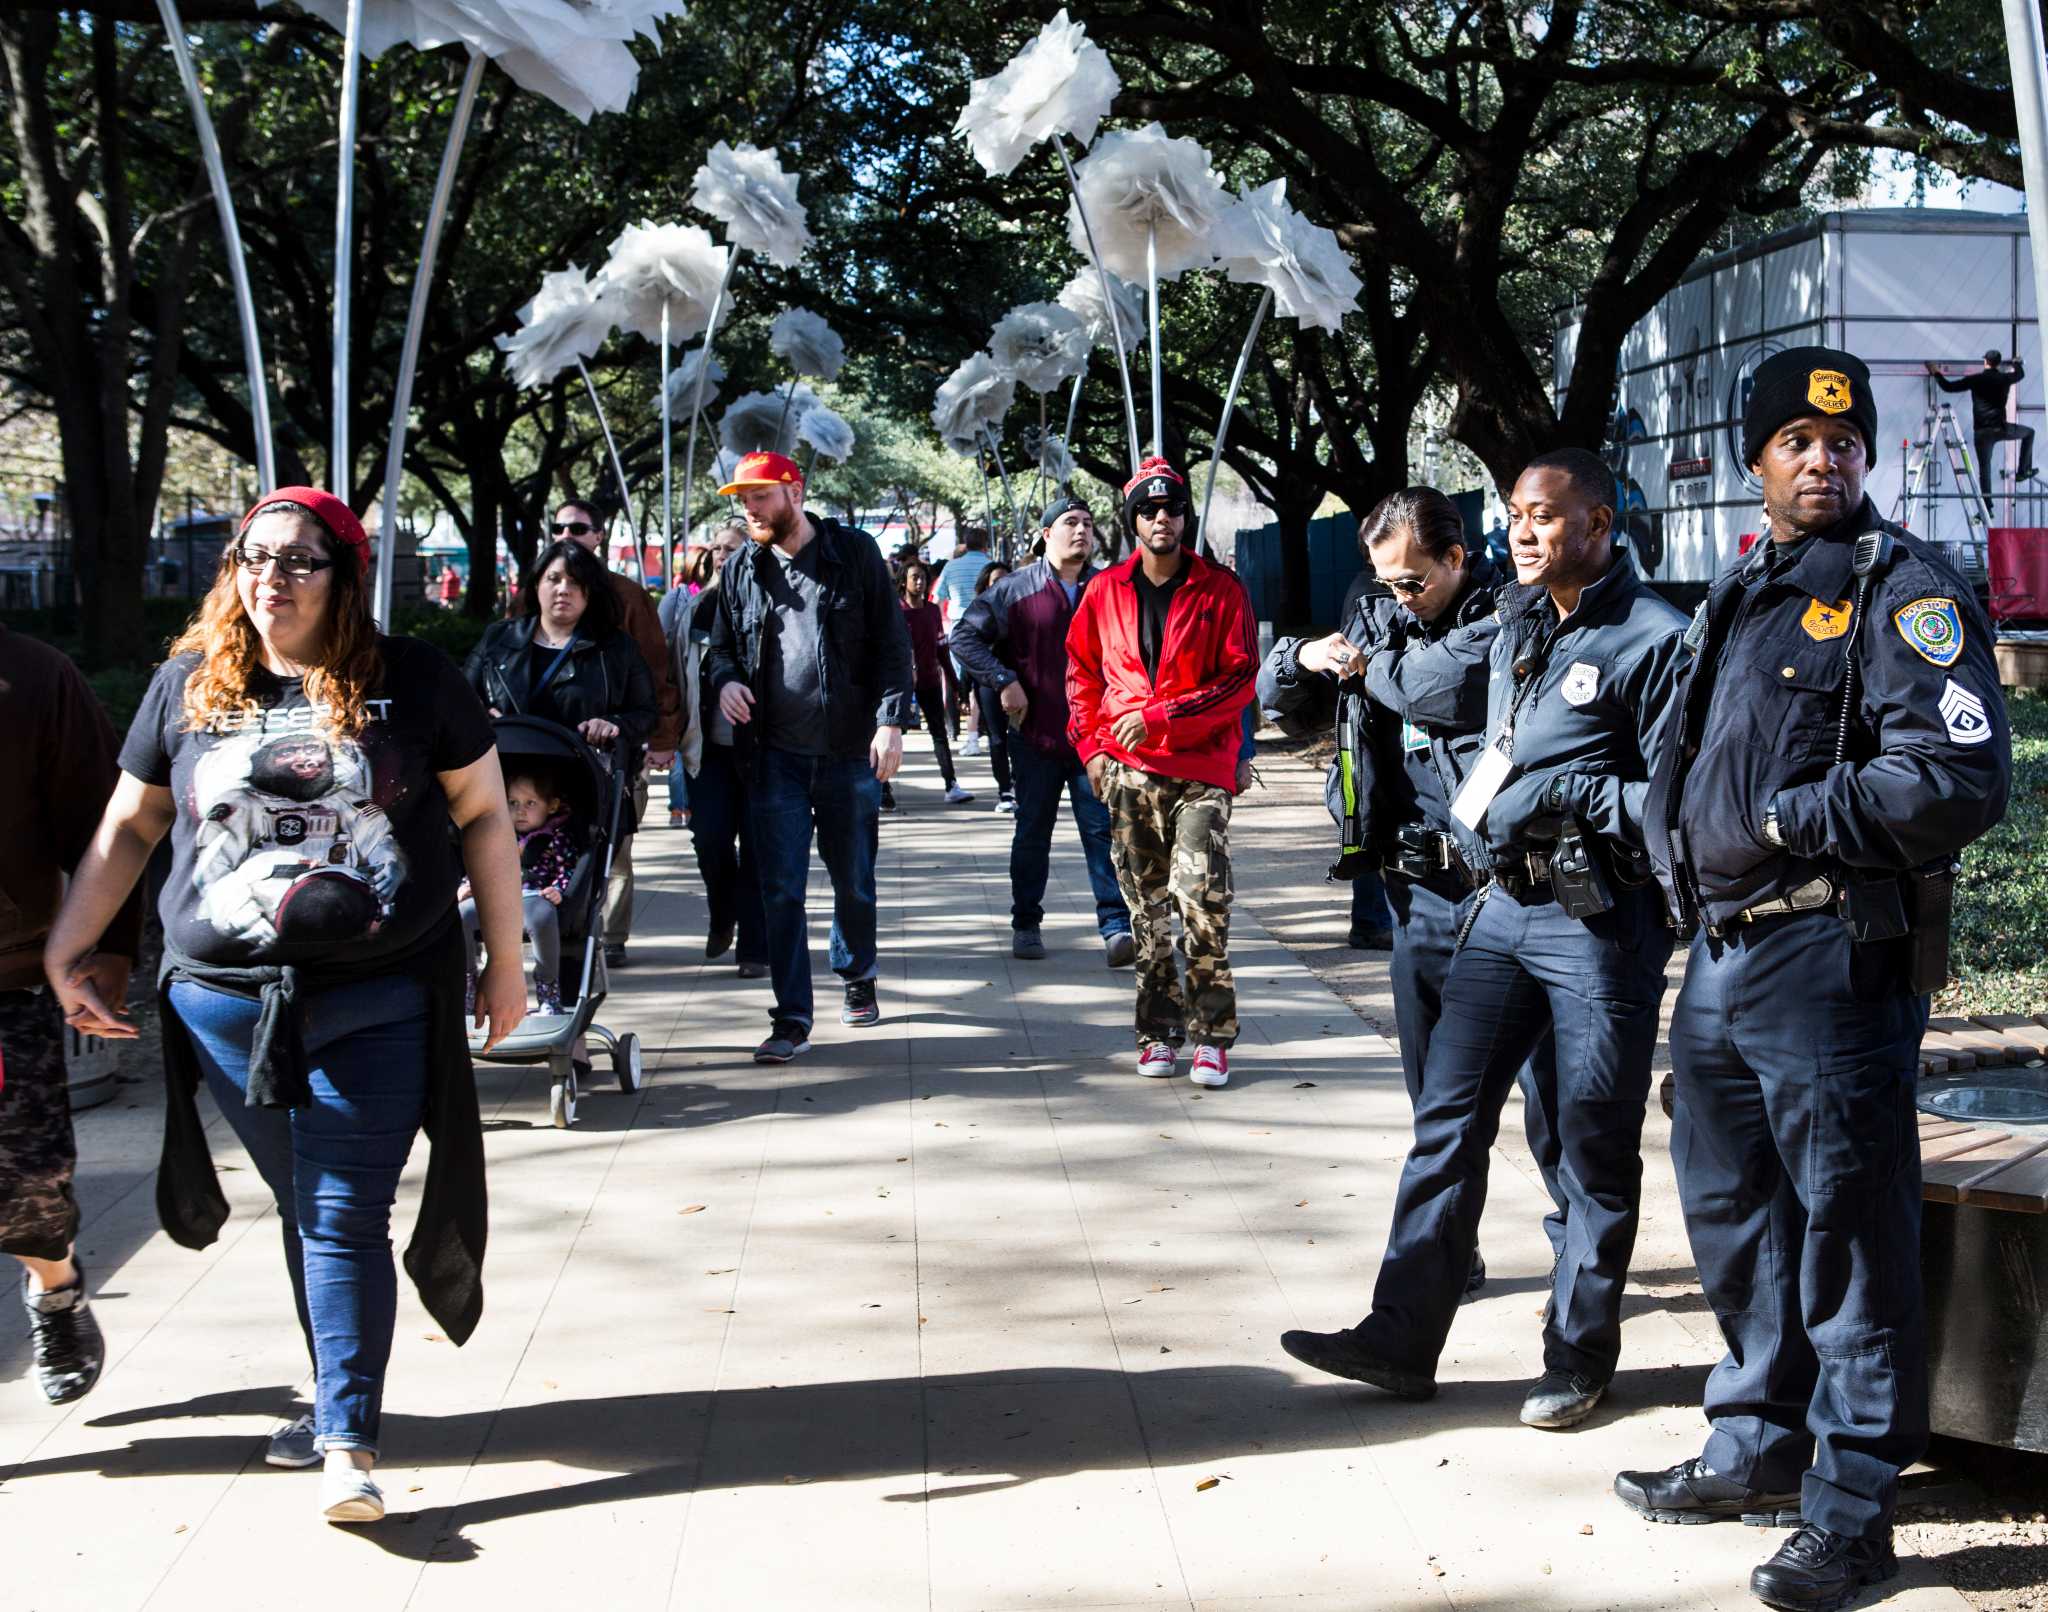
(292, 562)
(1414, 587)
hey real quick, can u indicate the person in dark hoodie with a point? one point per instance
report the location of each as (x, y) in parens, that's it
(322, 1004)
(1013, 641)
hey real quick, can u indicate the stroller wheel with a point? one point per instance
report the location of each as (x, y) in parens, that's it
(626, 1062)
(561, 1093)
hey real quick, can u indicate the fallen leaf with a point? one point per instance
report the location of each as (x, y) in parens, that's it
(719, 1312)
(547, 1383)
(1162, 1288)
(1301, 1085)
(433, 1337)
(723, 1270)
(180, 1528)
(1301, 1203)
(1164, 1350)
(1585, 1528)
(904, 1160)
(416, 1488)
(1165, 1136)
(1207, 1483)
(693, 1209)
(871, 1306)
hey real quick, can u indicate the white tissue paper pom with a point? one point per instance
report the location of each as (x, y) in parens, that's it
(1060, 83)
(572, 52)
(569, 320)
(747, 191)
(682, 380)
(1149, 178)
(1263, 241)
(1049, 450)
(827, 432)
(725, 464)
(807, 344)
(976, 394)
(1083, 295)
(655, 264)
(765, 422)
(1040, 344)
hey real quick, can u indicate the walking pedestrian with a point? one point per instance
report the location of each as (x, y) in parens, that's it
(959, 580)
(1567, 941)
(693, 575)
(985, 710)
(921, 620)
(811, 663)
(1161, 657)
(1013, 642)
(58, 749)
(309, 771)
(1839, 735)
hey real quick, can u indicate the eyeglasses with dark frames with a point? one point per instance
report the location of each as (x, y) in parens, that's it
(572, 528)
(1150, 510)
(292, 562)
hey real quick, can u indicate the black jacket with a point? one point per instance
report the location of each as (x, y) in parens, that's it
(606, 679)
(866, 674)
(1987, 389)
(1757, 719)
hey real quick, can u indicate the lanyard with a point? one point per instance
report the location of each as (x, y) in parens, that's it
(555, 665)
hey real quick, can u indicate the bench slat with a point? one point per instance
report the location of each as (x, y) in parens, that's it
(2020, 1185)
(1945, 1176)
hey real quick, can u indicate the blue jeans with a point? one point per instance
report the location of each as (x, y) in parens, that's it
(1040, 781)
(678, 785)
(840, 797)
(333, 1167)
(1369, 908)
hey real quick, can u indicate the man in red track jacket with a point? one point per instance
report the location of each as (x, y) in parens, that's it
(1161, 657)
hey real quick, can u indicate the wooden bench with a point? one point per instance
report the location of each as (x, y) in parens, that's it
(1975, 1163)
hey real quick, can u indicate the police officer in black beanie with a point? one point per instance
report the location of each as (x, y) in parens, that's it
(1839, 736)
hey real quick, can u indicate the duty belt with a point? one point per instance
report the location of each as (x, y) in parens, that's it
(1425, 854)
(1808, 897)
(1523, 873)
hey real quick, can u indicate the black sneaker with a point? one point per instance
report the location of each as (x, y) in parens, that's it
(65, 1336)
(615, 955)
(786, 1040)
(1560, 1399)
(1475, 1279)
(1370, 940)
(1342, 1355)
(1692, 1492)
(718, 942)
(860, 1007)
(1816, 1571)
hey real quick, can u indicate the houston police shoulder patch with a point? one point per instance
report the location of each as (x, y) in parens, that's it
(1823, 621)
(1933, 627)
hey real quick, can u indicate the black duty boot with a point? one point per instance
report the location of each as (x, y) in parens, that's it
(1561, 1399)
(69, 1350)
(1816, 1571)
(1341, 1354)
(1475, 1279)
(1690, 1492)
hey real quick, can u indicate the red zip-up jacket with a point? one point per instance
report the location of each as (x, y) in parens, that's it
(1207, 666)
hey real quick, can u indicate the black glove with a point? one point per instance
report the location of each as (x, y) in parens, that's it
(1535, 808)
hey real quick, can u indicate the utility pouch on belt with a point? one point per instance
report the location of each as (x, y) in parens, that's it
(1577, 878)
(1417, 853)
(1874, 910)
(1930, 902)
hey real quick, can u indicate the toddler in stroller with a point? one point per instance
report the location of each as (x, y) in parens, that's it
(547, 861)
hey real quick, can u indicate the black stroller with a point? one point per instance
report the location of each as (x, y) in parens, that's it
(596, 798)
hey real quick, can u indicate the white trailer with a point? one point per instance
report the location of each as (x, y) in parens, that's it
(1896, 286)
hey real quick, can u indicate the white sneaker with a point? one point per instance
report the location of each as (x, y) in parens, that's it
(1007, 803)
(971, 745)
(956, 796)
(1156, 1059)
(1210, 1068)
(292, 1445)
(347, 1494)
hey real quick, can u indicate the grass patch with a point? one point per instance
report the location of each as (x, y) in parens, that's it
(2000, 946)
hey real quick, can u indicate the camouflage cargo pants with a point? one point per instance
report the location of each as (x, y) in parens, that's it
(1170, 841)
(38, 1214)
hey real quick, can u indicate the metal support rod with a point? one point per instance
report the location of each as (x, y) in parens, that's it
(668, 453)
(788, 398)
(340, 471)
(1073, 408)
(2025, 46)
(231, 236)
(415, 323)
(732, 256)
(1038, 492)
(1116, 328)
(604, 425)
(1002, 470)
(1244, 358)
(1152, 314)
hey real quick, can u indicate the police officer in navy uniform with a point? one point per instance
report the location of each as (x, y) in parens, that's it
(1840, 736)
(1413, 653)
(1567, 940)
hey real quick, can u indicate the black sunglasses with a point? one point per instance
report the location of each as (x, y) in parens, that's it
(1413, 587)
(292, 562)
(572, 528)
(1176, 507)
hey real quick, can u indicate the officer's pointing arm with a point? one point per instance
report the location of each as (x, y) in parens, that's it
(1944, 757)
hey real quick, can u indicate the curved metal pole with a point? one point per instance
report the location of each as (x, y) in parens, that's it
(604, 425)
(415, 322)
(231, 234)
(1116, 329)
(1073, 408)
(340, 471)
(1002, 470)
(988, 503)
(732, 256)
(1038, 491)
(788, 398)
(1152, 311)
(1244, 359)
(668, 453)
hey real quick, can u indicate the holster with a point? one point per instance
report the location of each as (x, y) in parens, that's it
(1917, 908)
(1578, 876)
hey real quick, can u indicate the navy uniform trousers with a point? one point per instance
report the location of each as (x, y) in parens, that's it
(1798, 1161)
(1527, 975)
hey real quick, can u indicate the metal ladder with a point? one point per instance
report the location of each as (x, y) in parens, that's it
(1923, 474)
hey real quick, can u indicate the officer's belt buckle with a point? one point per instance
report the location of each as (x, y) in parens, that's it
(1808, 897)
(1539, 866)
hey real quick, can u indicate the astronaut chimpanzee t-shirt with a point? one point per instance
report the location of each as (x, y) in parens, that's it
(291, 846)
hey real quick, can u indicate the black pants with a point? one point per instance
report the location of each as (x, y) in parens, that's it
(995, 735)
(2009, 432)
(932, 702)
(38, 1213)
(1798, 1160)
(722, 833)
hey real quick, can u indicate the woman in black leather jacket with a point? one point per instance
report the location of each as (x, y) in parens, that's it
(565, 657)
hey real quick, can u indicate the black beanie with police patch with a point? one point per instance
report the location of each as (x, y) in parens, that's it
(1821, 382)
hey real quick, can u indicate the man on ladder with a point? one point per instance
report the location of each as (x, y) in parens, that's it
(1940, 434)
(1988, 389)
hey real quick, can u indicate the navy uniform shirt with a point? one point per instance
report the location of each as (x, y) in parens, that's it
(1928, 755)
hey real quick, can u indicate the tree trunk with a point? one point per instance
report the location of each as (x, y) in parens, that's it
(480, 598)
(1293, 508)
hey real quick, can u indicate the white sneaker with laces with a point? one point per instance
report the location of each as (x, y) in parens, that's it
(292, 1445)
(1211, 1067)
(1156, 1059)
(956, 796)
(1007, 803)
(347, 1494)
(971, 745)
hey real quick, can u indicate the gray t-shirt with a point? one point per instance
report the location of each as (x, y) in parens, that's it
(792, 695)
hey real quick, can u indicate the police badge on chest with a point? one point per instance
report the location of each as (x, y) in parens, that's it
(1580, 684)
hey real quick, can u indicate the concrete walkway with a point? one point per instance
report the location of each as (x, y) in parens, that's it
(954, 1313)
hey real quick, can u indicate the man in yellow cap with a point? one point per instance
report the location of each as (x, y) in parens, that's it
(810, 662)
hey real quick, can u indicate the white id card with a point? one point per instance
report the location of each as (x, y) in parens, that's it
(1481, 784)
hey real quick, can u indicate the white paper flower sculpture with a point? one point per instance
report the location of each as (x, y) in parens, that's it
(725, 464)
(747, 191)
(826, 432)
(1050, 449)
(765, 422)
(807, 344)
(975, 395)
(1149, 179)
(569, 320)
(1060, 83)
(656, 265)
(1040, 344)
(682, 380)
(1263, 241)
(573, 52)
(1083, 295)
